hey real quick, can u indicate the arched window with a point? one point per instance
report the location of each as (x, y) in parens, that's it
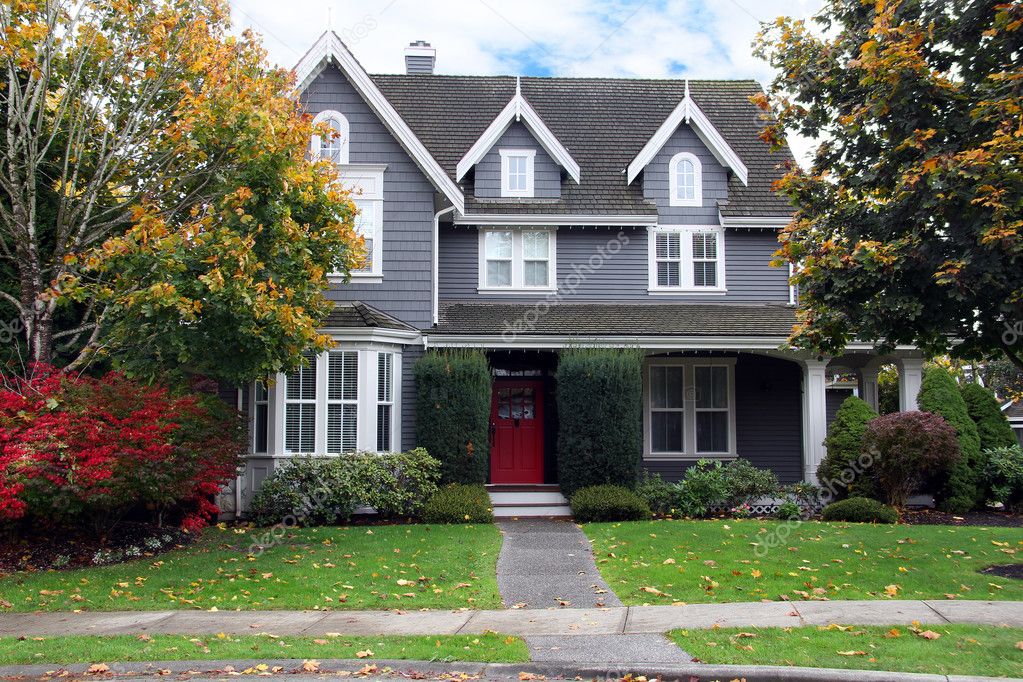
(684, 179)
(335, 146)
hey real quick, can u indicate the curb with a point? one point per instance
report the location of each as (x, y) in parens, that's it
(694, 672)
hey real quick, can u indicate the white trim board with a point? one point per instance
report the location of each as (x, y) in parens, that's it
(555, 219)
(687, 111)
(518, 109)
(754, 222)
(330, 47)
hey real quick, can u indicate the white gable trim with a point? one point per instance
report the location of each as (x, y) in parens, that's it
(518, 109)
(330, 48)
(687, 111)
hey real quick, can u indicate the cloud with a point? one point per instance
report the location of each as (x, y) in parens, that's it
(631, 38)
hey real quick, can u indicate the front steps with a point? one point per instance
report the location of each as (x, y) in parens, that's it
(521, 501)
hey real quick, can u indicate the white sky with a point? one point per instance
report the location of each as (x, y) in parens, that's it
(641, 38)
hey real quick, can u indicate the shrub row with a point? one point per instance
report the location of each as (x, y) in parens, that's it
(708, 485)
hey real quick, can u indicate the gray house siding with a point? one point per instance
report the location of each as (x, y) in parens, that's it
(408, 396)
(834, 399)
(714, 181)
(405, 291)
(546, 173)
(768, 419)
(623, 276)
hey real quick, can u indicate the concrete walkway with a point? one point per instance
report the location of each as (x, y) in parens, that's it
(546, 563)
(633, 620)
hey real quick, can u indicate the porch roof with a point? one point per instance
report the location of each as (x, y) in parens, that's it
(616, 319)
(358, 315)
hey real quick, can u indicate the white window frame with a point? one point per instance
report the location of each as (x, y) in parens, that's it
(328, 401)
(314, 401)
(365, 182)
(689, 451)
(530, 156)
(673, 198)
(254, 403)
(368, 390)
(385, 398)
(686, 275)
(518, 262)
(346, 130)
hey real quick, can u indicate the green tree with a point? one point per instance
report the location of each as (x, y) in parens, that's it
(157, 206)
(959, 492)
(993, 428)
(888, 389)
(907, 224)
(839, 470)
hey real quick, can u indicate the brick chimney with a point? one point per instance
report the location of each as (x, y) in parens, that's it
(420, 57)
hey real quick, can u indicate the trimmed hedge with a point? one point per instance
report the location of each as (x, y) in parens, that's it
(608, 503)
(959, 491)
(453, 413)
(859, 510)
(316, 491)
(838, 470)
(457, 503)
(600, 420)
(1004, 476)
(993, 427)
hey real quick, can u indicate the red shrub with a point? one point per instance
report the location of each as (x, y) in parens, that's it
(907, 448)
(74, 447)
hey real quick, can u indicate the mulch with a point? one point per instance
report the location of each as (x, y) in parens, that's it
(975, 518)
(62, 550)
(1014, 571)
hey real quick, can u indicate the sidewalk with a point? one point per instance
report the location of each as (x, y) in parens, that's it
(631, 620)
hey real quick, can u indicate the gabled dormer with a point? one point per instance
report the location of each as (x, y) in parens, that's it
(517, 156)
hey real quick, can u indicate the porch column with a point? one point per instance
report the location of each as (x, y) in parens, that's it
(815, 416)
(910, 378)
(868, 383)
(276, 416)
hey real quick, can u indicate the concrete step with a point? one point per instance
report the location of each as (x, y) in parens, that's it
(561, 511)
(502, 498)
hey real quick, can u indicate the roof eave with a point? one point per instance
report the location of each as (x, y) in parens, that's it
(330, 47)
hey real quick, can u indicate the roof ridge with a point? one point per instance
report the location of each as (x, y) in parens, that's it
(635, 79)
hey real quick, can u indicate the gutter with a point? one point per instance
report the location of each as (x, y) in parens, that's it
(436, 260)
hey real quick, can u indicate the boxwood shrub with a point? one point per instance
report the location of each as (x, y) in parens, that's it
(608, 503)
(600, 402)
(458, 503)
(453, 412)
(860, 510)
(839, 472)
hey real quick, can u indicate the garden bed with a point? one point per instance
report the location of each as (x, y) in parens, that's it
(934, 517)
(128, 541)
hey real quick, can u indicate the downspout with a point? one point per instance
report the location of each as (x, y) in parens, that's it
(238, 479)
(436, 263)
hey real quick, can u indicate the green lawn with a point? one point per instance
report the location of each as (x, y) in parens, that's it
(958, 650)
(379, 567)
(488, 648)
(662, 562)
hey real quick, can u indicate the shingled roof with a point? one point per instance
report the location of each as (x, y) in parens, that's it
(358, 315)
(615, 319)
(603, 122)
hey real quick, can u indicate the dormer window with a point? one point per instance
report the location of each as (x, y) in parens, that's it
(332, 147)
(517, 172)
(684, 180)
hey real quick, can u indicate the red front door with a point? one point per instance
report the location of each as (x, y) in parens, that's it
(516, 427)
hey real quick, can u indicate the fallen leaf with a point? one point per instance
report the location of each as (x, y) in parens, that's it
(851, 653)
(366, 653)
(929, 634)
(97, 668)
(310, 666)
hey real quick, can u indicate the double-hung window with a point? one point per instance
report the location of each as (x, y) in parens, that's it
(687, 259)
(300, 408)
(366, 184)
(690, 408)
(260, 417)
(517, 172)
(517, 260)
(342, 401)
(385, 401)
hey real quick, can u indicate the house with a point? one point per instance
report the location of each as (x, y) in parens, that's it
(1014, 412)
(524, 215)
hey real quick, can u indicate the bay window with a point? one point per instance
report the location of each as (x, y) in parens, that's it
(517, 260)
(689, 408)
(343, 400)
(687, 259)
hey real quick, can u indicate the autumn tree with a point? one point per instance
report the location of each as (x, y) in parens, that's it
(907, 224)
(157, 206)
